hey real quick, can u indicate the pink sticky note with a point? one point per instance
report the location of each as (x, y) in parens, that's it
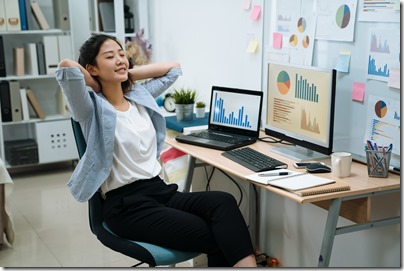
(277, 40)
(358, 91)
(256, 12)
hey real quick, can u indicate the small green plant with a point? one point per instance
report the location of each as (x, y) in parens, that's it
(184, 96)
(200, 104)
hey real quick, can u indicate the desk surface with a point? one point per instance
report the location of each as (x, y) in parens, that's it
(359, 181)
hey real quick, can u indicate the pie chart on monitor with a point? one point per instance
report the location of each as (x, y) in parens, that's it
(283, 82)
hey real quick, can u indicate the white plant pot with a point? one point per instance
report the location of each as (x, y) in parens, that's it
(200, 112)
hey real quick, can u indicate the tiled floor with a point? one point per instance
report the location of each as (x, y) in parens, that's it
(51, 228)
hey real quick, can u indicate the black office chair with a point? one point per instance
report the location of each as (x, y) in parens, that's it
(144, 252)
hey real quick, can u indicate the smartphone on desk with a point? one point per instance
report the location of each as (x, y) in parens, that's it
(304, 164)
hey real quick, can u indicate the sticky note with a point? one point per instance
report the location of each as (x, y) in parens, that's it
(247, 4)
(277, 40)
(358, 91)
(343, 62)
(252, 46)
(256, 13)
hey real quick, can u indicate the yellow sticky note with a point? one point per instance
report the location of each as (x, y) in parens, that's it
(256, 12)
(252, 46)
(358, 91)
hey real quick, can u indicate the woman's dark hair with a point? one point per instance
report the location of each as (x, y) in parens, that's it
(89, 51)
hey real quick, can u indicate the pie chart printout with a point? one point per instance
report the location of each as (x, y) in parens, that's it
(343, 16)
(293, 40)
(381, 109)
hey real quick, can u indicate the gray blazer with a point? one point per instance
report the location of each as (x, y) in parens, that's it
(97, 119)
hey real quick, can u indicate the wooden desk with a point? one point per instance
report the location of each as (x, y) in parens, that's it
(362, 188)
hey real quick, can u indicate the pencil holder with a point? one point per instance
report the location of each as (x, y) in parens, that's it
(378, 163)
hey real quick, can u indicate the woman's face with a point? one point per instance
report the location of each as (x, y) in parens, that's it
(112, 64)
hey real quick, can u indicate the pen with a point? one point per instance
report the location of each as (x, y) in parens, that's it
(273, 174)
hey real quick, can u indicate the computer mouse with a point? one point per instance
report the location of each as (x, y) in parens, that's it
(318, 168)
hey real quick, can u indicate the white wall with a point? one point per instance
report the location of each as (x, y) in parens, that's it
(209, 38)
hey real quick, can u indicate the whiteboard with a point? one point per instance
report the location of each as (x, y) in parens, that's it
(351, 117)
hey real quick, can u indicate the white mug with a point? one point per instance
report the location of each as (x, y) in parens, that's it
(341, 164)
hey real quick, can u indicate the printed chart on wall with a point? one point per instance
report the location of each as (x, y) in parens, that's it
(297, 90)
(336, 20)
(293, 40)
(384, 53)
(383, 126)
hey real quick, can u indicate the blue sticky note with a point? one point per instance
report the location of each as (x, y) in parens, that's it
(343, 63)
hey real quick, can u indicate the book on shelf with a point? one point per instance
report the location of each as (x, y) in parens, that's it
(24, 104)
(15, 100)
(5, 101)
(39, 16)
(40, 52)
(3, 72)
(51, 50)
(19, 64)
(61, 12)
(23, 14)
(61, 103)
(300, 183)
(31, 58)
(35, 104)
(31, 21)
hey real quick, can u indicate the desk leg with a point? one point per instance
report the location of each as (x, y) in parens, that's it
(190, 174)
(252, 214)
(329, 233)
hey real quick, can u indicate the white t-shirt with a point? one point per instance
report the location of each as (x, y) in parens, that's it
(135, 149)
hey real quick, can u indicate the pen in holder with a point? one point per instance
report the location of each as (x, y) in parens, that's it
(378, 163)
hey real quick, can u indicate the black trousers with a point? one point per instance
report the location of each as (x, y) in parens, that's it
(155, 212)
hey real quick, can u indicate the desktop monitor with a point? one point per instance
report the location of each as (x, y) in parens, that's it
(300, 110)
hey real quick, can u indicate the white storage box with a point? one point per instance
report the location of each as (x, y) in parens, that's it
(55, 141)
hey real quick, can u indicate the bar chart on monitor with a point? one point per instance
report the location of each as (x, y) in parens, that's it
(235, 110)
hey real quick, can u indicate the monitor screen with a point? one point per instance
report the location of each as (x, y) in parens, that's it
(300, 109)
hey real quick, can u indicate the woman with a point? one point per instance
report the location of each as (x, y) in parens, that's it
(125, 131)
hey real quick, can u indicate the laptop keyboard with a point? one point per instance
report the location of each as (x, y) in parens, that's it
(254, 160)
(219, 137)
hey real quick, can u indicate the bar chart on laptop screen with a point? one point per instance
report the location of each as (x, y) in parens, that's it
(235, 110)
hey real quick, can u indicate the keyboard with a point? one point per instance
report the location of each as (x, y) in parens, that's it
(254, 160)
(220, 137)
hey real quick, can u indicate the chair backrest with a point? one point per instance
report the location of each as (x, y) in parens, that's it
(95, 203)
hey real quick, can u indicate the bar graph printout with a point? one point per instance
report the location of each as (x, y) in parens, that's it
(383, 126)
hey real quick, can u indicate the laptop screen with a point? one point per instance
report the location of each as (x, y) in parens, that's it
(235, 110)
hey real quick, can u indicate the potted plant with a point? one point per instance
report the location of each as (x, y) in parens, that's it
(184, 99)
(200, 109)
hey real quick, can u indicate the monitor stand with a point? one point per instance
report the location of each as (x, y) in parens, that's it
(298, 154)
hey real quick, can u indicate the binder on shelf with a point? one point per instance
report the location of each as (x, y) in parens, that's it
(40, 52)
(3, 72)
(19, 68)
(24, 104)
(64, 47)
(39, 16)
(5, 101)
(35, 104)
(15, 100)
(12, 11)
(3, 27)
(51, 49)
(23, 15)
(61, 13)
(31, 59)
(31, 21)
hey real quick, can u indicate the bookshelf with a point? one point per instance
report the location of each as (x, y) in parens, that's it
(51, 133)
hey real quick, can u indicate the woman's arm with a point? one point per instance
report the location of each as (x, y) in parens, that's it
(90, 81)
(153, 70)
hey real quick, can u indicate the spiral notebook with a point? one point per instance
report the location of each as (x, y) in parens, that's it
(300, 183)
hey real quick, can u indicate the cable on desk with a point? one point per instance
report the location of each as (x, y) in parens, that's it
(238, 186)
(208, 178)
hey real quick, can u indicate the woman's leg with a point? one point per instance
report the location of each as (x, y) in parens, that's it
(207, 222)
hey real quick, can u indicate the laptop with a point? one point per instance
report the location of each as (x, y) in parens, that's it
(234, 120)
